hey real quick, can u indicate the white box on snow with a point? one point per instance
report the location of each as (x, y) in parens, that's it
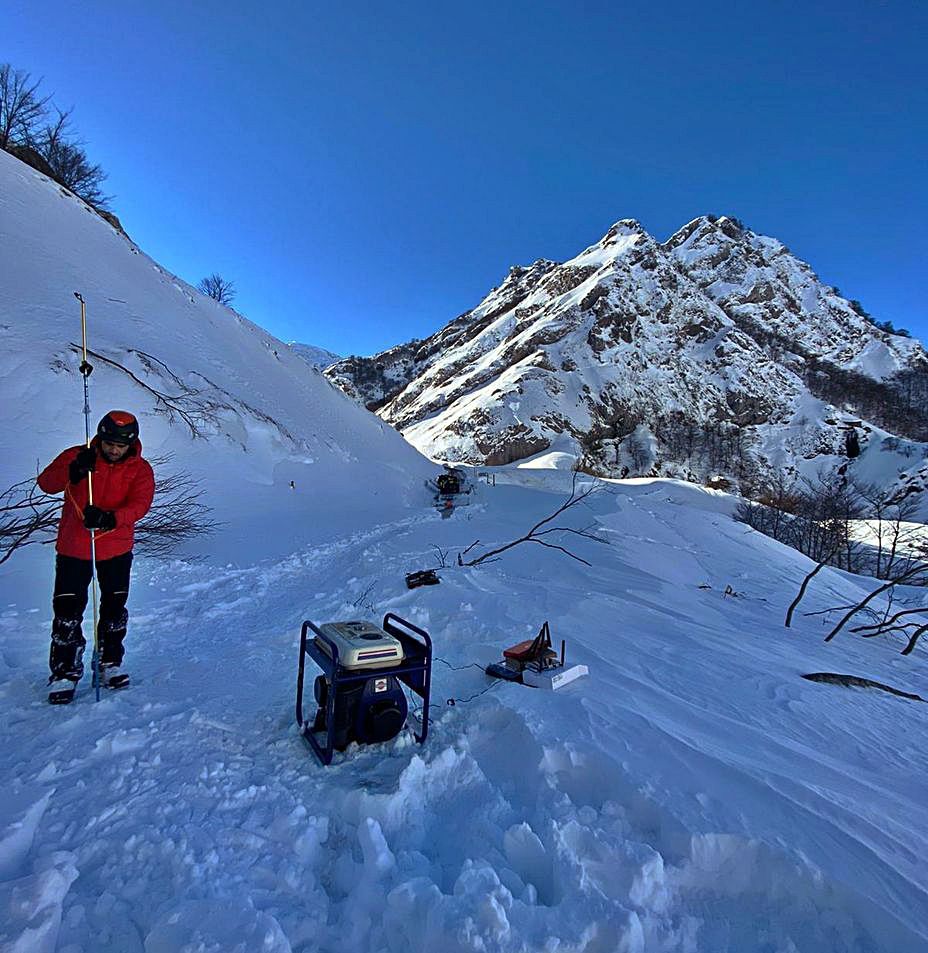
(554, 678)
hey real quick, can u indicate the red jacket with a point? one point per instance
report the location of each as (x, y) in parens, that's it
(126, 488)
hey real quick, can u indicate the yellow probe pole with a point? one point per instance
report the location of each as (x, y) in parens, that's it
(86, 368)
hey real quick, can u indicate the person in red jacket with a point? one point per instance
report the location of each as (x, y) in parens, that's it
(123, 488)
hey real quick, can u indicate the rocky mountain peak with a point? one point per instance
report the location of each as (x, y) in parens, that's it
(624, 228)
(716, 354)
(778, 299)
(518, 283)
(712, 239)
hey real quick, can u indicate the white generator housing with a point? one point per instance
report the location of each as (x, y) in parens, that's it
(361, 645)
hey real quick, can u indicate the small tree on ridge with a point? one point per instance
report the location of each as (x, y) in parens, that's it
(218, 288)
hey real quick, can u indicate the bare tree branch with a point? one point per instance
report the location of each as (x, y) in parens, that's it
(67, 160)
(21, 106)
(177, 513)
(885, 622)
(534, 534)
(541, 542)
(195, 411)
(831, 609)
(903, 578)
(27, 516)
(199, 408)
(802, 590)
(913, 640)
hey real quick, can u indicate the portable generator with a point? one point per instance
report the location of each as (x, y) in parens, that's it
(361, 693)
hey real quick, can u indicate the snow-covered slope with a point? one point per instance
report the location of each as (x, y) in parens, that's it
(692, 795)
(235, 406)
(715, 355)
(314, 356)
(378, 379)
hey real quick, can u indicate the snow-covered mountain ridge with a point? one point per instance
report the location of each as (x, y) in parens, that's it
(314, 356)
(715, 354)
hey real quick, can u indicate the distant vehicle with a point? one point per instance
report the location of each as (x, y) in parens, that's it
(451, 488)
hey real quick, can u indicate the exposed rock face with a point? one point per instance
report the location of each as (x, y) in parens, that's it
(113, 219)
(716, 354)
(31, 157)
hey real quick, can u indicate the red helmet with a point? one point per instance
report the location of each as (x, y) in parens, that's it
(118, 426)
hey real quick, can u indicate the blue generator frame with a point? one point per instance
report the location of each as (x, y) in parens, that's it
(415, 672)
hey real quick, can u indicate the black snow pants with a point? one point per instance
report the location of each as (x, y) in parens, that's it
(72, 578)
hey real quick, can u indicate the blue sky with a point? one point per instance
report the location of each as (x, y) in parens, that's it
(365, 172)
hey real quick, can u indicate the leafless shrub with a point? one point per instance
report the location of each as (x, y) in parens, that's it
(49, 146)
(68, 161)
(27, 516)
(178, 514)
(820, 517)
(773, 506)
(915, 573)
(895, 531)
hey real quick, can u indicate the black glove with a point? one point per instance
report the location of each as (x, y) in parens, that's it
(82, 464)
(95, 518)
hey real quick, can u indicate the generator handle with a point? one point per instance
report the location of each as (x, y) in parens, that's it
(393, 617)
(395, 624)
(299, 678)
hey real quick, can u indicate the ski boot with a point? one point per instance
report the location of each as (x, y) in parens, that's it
(61, 690)
(112, 676)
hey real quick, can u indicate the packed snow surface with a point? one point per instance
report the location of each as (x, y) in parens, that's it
(693, 793)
